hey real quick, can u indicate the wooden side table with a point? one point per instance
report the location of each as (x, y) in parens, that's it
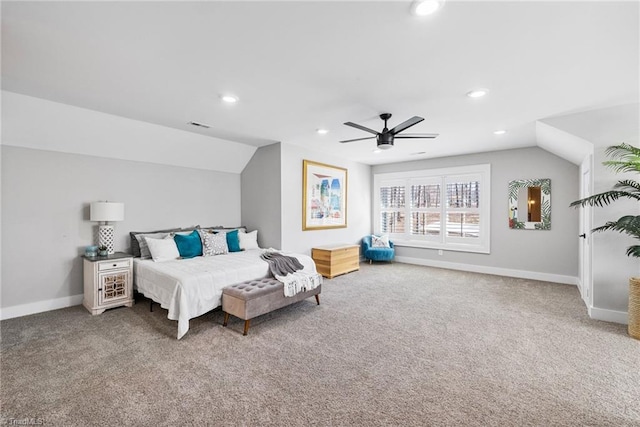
(108, 282)
(332, 260)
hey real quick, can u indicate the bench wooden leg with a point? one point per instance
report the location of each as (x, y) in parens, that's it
(318, 298)
(246, 326)
(226, 319)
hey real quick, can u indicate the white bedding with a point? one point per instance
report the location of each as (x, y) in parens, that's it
(189, 288)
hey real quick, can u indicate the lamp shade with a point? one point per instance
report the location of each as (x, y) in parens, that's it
(106, 211)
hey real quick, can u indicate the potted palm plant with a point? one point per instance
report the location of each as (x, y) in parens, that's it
(624, 158)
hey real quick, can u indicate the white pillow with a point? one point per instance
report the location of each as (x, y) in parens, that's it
(144, 249)
(248, 240)
(380, 241)
(163, 249)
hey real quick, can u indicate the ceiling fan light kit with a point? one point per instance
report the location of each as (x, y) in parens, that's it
(386, 138)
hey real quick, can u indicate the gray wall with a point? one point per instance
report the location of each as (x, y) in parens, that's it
(261, 196)
(294, 239)
(610, 266)
(552, 252)
(45, 212)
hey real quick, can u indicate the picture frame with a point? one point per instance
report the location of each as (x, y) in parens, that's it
(324, 199)
(530, 204)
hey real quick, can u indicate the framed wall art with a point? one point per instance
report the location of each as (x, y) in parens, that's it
(324, 196)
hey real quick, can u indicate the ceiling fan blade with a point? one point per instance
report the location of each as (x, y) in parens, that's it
(406, 124)
(357, 126)
(358, 139)
(417, 135)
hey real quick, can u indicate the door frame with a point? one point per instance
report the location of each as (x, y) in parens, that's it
(585, 276)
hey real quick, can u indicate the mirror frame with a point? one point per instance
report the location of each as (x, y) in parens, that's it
(545, 189)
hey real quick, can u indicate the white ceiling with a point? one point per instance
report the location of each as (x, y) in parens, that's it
(297, 66)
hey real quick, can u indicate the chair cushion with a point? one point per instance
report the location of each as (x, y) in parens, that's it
(380, 254)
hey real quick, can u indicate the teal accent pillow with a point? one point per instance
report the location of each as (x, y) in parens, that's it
(189, 245)
(233, 241)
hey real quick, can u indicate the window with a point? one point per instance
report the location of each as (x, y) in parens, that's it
(437, 208)
(392, 209)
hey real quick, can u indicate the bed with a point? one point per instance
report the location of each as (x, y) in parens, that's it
(188, 288)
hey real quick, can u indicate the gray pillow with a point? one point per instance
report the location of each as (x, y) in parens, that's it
(144, 246)
(135, 243)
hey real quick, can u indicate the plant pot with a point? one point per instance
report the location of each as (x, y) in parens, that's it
(103, 252)
(634, 307)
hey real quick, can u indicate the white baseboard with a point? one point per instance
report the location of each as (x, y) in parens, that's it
(39, 307)
(609, 315)
(522, 274)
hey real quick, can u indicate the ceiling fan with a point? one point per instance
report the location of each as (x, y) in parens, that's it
(386, 137)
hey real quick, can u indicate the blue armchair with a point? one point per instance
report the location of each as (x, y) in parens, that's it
(375, 253)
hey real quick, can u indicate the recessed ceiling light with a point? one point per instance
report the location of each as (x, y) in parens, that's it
(500, 132)
(477, 93)
(322, 131)
(426, 7)
(377, 151)
(230, 99)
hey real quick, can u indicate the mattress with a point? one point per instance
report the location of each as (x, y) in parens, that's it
(188, 288)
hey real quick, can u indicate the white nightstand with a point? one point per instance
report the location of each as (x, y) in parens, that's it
(108, 282)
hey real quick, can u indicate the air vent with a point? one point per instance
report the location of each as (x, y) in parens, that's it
(202, 125)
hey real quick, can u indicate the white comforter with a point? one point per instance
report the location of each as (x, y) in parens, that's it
(189, 288)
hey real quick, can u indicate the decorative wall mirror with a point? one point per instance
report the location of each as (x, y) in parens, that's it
(530, 204)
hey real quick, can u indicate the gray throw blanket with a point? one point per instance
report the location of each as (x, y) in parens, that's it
(288, 270)
(281, 265)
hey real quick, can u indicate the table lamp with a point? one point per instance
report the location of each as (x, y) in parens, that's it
(105, 212)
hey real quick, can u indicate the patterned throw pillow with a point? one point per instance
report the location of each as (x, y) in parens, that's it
(213, 244)
(380, 241)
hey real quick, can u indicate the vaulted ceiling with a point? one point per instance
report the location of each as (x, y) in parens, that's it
(297, 66)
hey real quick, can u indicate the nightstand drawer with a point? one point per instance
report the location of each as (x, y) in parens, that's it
(113, 265)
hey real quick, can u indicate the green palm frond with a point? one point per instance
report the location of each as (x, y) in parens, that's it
(603, 199)
(627, 224)
(514, 186)
(634, 251)
(518, 225)
(628, 185)
(626, 158)
(621, 150)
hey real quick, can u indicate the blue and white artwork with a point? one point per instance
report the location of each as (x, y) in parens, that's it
(325, 196)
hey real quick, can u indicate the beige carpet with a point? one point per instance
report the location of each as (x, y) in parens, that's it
(392, 344)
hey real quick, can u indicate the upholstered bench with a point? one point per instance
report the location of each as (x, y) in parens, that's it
(257, 297)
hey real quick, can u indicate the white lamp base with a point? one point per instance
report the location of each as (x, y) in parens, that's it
(105, 237)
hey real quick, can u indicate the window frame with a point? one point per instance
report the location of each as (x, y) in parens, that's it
(443, 176)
